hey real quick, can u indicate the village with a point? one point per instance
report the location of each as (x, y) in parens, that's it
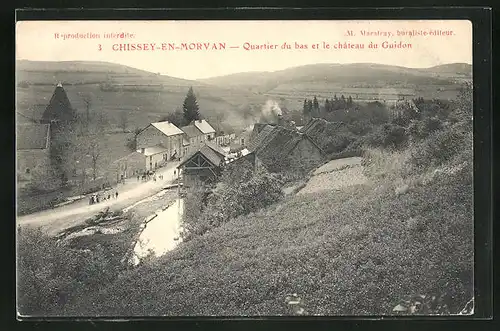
(186, 159)
(197, 150)
(282, 182)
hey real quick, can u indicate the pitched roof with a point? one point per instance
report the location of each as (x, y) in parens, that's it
(167, 128)
(32, 136)
(59, 107)
(279, 143)
(191, 131)
(216, 148)
(203, 126)
(318, 128)
(263, 134)
(212, 156)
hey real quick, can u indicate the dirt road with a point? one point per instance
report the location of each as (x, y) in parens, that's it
(57, 219)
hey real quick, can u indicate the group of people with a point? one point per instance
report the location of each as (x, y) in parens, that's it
(149, 175)
(96, 198)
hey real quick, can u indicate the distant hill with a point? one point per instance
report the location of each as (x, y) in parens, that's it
(117, 88)
(343, 74)
(363, 81)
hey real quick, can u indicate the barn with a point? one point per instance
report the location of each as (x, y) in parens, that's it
(201, 169)
(277, 148)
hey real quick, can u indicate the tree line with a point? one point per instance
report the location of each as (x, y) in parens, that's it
(313, 108)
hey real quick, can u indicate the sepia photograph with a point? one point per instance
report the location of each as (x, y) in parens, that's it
(244, 168)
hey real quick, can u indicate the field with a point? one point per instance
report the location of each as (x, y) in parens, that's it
(141, 103)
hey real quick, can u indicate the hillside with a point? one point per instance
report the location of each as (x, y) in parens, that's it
(363, 254)
(116, 88)
(363, 81)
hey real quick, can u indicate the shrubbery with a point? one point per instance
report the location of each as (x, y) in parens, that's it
(387, 136)
(240, 191)
(51, 275)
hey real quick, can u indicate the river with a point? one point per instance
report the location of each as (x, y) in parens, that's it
(161, 234)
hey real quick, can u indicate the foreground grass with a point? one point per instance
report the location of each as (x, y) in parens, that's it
(359, 251)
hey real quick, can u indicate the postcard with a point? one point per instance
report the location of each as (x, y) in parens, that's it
(244, 168)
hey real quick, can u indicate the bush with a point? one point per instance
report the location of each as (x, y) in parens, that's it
(420, 129)
(440, 146)
(387, 136)
(51, 275)
(240, 192)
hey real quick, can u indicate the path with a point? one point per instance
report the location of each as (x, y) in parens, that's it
(60, 218)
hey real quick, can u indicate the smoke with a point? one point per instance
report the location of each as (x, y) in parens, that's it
(270, 112)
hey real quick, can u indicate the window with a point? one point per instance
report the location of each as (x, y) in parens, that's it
(27, 171)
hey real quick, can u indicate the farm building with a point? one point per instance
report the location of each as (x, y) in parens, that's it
(34, 135)
(202, 168)
(160, 142)
(277, 148)
(197, 133)
(126, 167)
(33, 152)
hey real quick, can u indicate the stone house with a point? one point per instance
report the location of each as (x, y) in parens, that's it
(197, 134)
(160, 142)
(127, 167)
(33, 152)
(36, 128)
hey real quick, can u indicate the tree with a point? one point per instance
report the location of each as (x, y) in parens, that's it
(305, 109)
(123, 121)
(190, 107)
(176, 118)
(94, 124)
(315, 105)
(309, 107)
(349, 101)
(132, 141)
(327, 105)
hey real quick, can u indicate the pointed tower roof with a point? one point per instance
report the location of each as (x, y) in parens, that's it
(59, 107)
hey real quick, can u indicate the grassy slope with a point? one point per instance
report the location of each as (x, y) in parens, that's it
(142, 107)
(360, 255)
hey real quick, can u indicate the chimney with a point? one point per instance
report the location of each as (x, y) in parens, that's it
(143, 150)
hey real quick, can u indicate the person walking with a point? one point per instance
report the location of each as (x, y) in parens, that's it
(116, 195)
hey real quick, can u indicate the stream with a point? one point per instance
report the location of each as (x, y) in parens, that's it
(161, 232)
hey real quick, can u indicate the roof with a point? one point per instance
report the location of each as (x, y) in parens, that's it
(191, 131)
(203, 126)
(167, 128)
(258, 139)
(212, 156)
(278, 143)
(318, 128)
(216, 148)
(59, 107)
(130, 156)
(33, 136)
(153, 150)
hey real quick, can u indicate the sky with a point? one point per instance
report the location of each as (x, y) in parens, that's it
(37, 41)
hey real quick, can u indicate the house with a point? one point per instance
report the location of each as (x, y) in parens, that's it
(36, 127)
(33, 152)
(201, 169)
(128, 166)
(276, 148)
(198, 133)
(160, 142)
(224, 139)
(321, 131)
